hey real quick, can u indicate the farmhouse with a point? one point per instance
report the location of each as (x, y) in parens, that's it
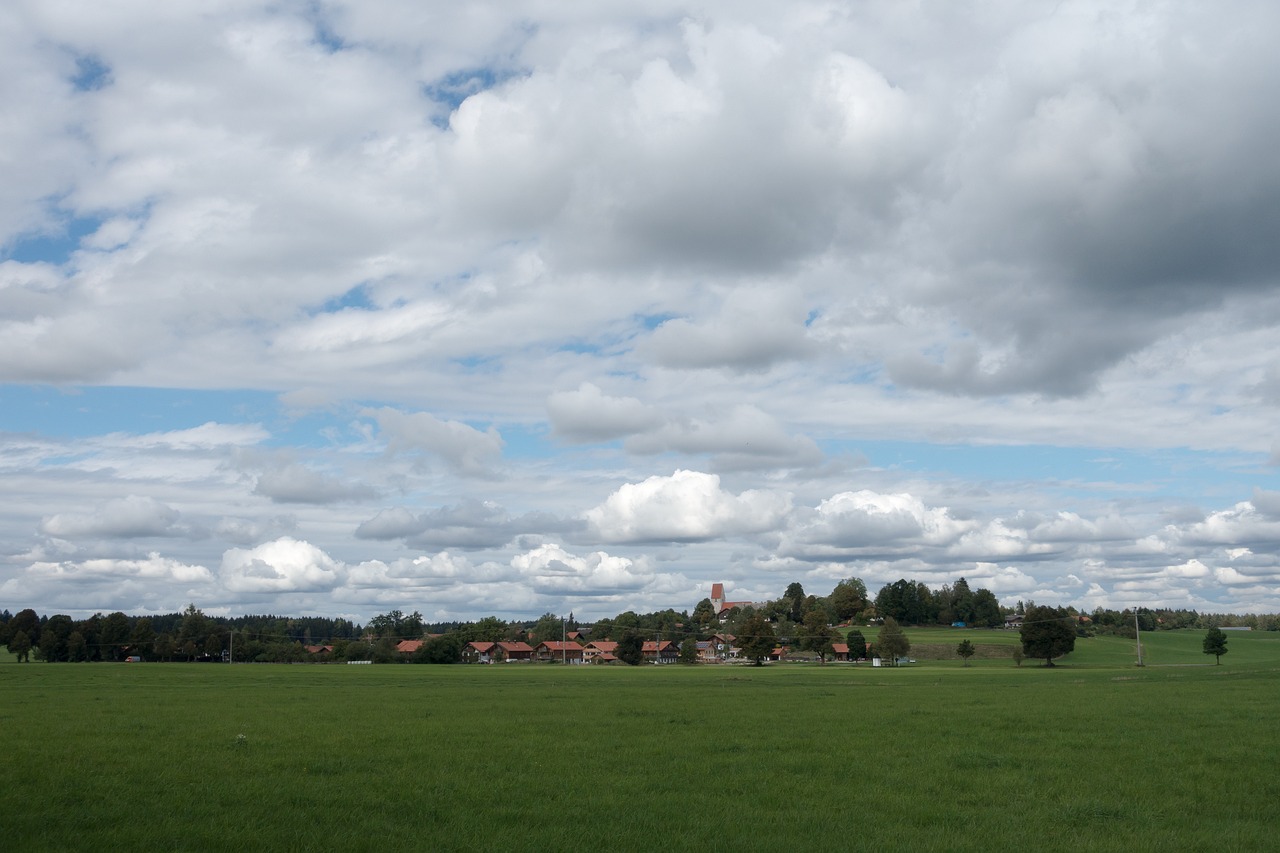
(478, 652)
(661, 651)
(558, 650)
(600, 651)
(513, 652)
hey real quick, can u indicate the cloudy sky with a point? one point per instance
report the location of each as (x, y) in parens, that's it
(341, 307)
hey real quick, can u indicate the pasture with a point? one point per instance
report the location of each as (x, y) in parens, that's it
(1094, 754)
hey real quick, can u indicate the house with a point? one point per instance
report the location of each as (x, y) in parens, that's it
(478, 652)
(1013, 621)
(841, 650)
(661, 651)
(599, 651)
(319, 650)
(561, 651)
(408, 647)
(512, 652)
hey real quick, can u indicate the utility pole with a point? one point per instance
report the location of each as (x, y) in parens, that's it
(564, 640)
(1137, 633)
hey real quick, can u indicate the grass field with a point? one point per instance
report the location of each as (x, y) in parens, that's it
(1094, 754)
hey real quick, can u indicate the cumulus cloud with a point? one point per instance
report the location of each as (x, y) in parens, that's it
(153, 567)
(754, 240)
(588, 414)
(283, 565)
(687, 506)
(463, 448)
(298, 483)
(865, 524)
(753, 331)
(128, 517)
(554, 571)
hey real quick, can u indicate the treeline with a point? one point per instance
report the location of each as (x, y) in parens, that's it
(793, 617)
(190, 635)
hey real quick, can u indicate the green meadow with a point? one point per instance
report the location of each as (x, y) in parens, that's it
(1094, 754)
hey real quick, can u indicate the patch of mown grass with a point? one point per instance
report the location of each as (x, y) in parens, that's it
(931, 757)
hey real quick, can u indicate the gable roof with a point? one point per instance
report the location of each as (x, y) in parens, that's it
(408, 646)
(515, 647)
(560, 646)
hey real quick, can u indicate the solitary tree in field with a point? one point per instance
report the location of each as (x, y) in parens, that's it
(1048, 633)
(756, 638)
(965, 650)
(1017, 655)
(1215, 643)
(892, 642)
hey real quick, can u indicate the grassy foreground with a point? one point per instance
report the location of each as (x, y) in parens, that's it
(1089, 755)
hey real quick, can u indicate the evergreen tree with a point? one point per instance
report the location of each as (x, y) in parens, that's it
(965, 650)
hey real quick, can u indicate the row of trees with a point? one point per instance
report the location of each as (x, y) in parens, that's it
(794, 618)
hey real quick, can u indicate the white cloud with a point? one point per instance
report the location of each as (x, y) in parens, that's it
(687, 506)
(463, 448)
(128, 517)
(153, 567)
(283, 565)
(554, 571)
(588, 414)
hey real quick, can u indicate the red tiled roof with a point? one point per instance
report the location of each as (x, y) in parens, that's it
(560, 646)
(841, 648)
(605, 646)
(717, 590)
(481, 647)
(654, 646)
(515, 647)
(408, 646)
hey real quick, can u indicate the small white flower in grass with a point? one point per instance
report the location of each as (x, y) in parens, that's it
(241, 740)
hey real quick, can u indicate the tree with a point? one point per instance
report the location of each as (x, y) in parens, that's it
(549, 627)
(986, 609)
(756, 639)
(892, 642)
(20, 645)
(114, 636)
(1215, 643)
(689, 650)
(857, 644)
(794, 600)
(848, 598)
(447, 648)
(704, 615)
(630, 648)
(1047, 633)
(816, 635)
(1017, 655)
(965, 650)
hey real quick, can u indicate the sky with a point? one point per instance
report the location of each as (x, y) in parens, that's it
(336, 308)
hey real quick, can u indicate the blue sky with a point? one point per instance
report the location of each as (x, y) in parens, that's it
(340, 308)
